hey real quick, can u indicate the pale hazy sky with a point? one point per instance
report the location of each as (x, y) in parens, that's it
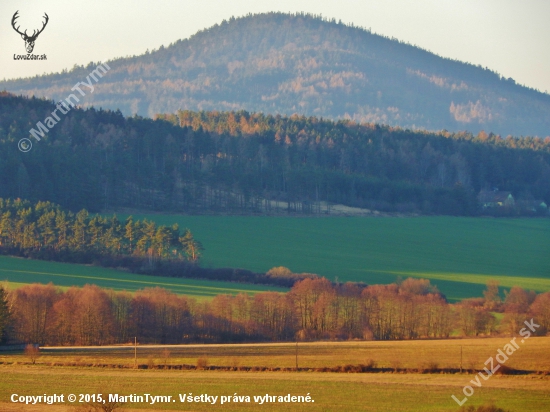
(511, 37)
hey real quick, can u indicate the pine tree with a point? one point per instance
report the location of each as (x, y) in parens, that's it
(130, 234)
(191, 247)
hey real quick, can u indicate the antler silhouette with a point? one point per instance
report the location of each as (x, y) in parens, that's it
(29, 40)
(15, 16)
(34, 36)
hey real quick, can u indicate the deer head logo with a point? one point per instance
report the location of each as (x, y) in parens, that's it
(29, 40)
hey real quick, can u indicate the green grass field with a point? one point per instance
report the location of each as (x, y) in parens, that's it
(18, 272)
(459, 255)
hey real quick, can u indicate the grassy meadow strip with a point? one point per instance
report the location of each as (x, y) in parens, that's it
(459, 254)
(17, 272)
(331, 392)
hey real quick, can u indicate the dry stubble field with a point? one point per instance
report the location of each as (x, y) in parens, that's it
(331, 391)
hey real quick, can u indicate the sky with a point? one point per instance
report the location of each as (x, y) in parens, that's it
(510, 37)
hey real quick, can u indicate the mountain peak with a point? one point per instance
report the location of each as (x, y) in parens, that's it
(299, 63)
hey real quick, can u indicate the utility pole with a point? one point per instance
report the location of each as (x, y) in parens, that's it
(296, 355)
(135, 352)
(460, 358)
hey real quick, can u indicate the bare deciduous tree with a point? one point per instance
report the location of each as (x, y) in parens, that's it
(33, 352)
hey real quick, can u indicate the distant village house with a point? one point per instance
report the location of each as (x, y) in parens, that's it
(500, 199)
(496, 198)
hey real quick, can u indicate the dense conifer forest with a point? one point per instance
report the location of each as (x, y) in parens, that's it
(240, 162)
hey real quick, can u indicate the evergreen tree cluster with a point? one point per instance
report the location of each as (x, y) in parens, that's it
(45, 231)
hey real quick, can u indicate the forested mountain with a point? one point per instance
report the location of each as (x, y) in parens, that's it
(285, 64)
(242, 162)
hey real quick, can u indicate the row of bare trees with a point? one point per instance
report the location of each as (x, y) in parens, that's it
(313, 309)
(476, 316)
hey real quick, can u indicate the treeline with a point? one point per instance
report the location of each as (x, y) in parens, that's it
(252, 163)
(314, 309)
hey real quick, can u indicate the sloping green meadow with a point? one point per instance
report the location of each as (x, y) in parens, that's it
(18, 272)
(459, 255)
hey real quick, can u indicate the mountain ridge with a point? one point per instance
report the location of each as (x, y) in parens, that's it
(284, 64)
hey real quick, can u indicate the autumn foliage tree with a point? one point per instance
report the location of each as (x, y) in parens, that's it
(540, 309)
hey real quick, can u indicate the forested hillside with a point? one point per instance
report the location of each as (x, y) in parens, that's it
(100, 160)
(285, 64)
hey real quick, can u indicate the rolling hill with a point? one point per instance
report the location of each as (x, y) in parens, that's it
(284, 64)
(458, 255)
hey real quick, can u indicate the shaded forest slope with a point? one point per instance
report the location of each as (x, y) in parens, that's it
(197, 161)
